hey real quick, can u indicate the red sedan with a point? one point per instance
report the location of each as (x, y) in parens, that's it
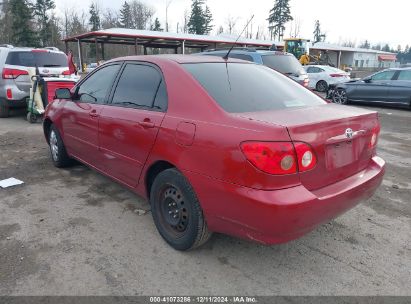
(218, 146)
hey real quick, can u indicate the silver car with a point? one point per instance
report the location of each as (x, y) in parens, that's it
(15, 83)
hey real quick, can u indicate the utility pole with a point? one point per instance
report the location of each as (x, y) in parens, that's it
(168, 2)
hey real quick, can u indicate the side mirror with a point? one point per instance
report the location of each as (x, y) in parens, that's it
(63, 94)
(367, 80)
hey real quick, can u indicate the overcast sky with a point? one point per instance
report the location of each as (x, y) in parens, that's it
(341, 20)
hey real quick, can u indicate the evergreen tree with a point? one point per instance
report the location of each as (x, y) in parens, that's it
(156, 26)
(125, 16)
(208, 20)
(365, 45)
(279, 15)
(197, 21)
(318, 35)
(94, 20)
(386, 48)
(22, 20)
(41, 9)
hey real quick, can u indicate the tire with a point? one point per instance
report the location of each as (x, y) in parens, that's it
(340, 96)
(176, 211)
(31, 118)
(4, 110)
(57, 149)
(321, 86)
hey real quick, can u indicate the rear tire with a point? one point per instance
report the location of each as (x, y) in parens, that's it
(57, 149)
(176, 211)
(4, 110)
(31, 118)
(321, 86)
(340, 96)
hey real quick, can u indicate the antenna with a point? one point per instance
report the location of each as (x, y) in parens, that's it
(229, 51)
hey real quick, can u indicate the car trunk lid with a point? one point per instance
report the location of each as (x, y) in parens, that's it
(339, 135)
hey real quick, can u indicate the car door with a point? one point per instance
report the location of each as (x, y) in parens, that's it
(374, 88)
(80, 115)
(400, 89)
(314, 74)
(129, 124)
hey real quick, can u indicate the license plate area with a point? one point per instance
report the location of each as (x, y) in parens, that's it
(341, 154)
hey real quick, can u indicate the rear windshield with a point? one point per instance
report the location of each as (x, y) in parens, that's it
(285, 64)
(39, 59)
(242, 87)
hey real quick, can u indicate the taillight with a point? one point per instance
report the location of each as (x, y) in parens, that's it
(374, 137)
(306, 156)
(66, 73)
(280, 158)
(9, 94)
(271, 157)
(337, 75)
(305, 82)
(13, 73)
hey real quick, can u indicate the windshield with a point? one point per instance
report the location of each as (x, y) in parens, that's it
(39, 59)
(285, 64)
(242, 87)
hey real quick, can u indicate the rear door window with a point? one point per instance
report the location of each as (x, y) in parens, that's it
(243, 87)
(285, 64)
(405, 75)
(37, 58)
(386, 75)
(138, 86)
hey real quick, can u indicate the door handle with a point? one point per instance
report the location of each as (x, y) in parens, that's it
(147, 124)
(93, 113)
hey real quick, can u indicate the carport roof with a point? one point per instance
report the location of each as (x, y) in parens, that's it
(335, 47)
(163, 39)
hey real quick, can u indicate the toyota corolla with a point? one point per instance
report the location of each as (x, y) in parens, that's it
(218, 145)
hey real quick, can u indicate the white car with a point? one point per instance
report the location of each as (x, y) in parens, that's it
(321, 76)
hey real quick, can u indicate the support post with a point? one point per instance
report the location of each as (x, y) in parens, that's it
(80, 54)
(96, 44)
(135, 47)
(183, 47)
(66, 46)
(145, 50)
(103, 53)
(339, 59)
(176, 50)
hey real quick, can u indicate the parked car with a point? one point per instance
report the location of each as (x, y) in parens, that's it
(322, 76)
(14, 63)
(391, 86)
(218, 146)
(91, 67)
(282, 62)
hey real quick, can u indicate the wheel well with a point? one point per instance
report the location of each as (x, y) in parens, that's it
(46, 128)
(154, 170)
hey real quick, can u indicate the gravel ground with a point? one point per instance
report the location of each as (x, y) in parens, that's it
(75, 232)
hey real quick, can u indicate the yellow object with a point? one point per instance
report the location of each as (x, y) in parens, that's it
(297, 46)
(38, 101)
(305, 59)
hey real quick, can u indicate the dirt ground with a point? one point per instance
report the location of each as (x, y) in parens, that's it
(75, 232)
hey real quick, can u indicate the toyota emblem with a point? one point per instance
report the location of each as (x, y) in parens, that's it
(349, 133)
(46, 71)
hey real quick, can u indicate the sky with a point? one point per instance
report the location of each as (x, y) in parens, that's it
(341, 20)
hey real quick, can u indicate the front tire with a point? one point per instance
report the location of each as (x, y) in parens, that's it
(340, 96)
(321, 86)
(57, 149)
(176, 211)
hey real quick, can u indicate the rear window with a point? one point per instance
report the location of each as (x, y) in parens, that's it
(285, 64)
(242, 87)
(39, 59)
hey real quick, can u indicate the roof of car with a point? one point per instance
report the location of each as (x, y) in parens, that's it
(178, 59)
(29, 49)
(247, 51)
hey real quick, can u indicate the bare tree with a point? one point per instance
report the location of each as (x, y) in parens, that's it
(110, 19)
(295, 28)
(231, 23)
(141, 14)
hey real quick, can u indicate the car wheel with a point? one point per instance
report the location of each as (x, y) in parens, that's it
(176, 211)
(321, 86)
(4, 110)
(31, 118)
(340, 96)
(57, 149)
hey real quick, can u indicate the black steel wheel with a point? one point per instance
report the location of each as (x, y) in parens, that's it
(340, 96)
(177, 212)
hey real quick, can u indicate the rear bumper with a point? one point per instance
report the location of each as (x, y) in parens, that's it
(279, 216)
(14, 103)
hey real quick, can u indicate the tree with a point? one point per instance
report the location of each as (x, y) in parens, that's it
(376, 47)
(125, 16)
(41, 12)
(365, 45)
(280, 14)
(22, 23)
(318, 35)
(231, 22)
(141, 14)
(200, 18)
(386, 48)
(94, 20)
(156, 26)
(110, 19)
